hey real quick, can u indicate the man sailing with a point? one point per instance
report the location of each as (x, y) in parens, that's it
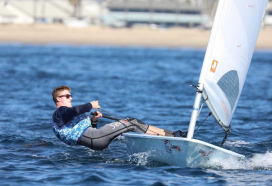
(72, 126)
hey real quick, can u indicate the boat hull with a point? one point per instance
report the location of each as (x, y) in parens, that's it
(178, 151)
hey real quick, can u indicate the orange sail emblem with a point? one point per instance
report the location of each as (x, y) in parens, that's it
(214, 66)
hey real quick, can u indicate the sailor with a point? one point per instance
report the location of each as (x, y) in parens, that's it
(72, 126)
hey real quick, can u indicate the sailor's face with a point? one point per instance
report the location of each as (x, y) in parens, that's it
(65, 98)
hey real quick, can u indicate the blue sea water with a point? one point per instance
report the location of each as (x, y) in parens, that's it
(151, 84)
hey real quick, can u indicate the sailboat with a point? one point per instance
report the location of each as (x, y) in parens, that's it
(229, 52)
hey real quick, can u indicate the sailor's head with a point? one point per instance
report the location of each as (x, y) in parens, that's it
(62, 96)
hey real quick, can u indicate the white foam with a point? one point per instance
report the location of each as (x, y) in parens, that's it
(238, 143)
(256, 162)
(262, 161)
(140, 158)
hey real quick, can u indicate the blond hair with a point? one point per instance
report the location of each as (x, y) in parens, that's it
(56, 91)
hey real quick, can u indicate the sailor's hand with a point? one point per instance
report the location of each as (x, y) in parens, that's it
(95, 104)
(96, 115)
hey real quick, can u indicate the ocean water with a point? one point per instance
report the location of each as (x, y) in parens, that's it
(151, 84)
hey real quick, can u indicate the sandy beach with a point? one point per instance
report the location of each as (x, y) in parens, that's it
(95, 35)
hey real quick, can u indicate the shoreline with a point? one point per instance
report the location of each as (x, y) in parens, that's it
(56, 34)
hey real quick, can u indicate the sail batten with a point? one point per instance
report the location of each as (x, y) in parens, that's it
(230, 49)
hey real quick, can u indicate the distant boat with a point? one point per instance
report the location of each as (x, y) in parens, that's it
(233, 37)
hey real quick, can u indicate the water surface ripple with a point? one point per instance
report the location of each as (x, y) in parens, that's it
(151, 84)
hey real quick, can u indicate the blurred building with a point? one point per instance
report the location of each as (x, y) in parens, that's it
(114, 13)
(49, 11)
(268, 16)
(164, 13)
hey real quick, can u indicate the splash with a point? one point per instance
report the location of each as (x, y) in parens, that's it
(261, 161)
(140, 158)
(256, 162)
(238, 143)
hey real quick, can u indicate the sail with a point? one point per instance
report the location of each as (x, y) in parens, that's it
(233, 37)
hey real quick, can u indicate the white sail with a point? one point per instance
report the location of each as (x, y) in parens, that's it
(234, 34)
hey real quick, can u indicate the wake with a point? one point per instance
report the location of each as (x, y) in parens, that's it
(254, 162)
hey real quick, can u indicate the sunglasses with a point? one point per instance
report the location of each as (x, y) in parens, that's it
(66, 95)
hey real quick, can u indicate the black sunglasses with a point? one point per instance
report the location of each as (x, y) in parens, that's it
(66, 95)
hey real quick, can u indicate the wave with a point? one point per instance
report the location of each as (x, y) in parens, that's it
(256, 162)
(237, 143)
(141, 158)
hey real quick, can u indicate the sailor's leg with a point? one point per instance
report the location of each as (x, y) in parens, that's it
(159, 132)
(148, 129)
(99, 139)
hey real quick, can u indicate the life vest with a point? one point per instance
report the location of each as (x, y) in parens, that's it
(71, 132)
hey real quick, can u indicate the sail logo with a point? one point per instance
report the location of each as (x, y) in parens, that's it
(214, 66)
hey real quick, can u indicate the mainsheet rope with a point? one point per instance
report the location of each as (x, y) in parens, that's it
(111, 113)
(124, 119)
(120, 118)
(149, 129)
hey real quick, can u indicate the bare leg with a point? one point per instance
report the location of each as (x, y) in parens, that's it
(159, 132)
(148, 129)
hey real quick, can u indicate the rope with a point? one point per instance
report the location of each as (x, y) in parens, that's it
(225, 138)
(151, 130)
(117, 117)
(110, 113)
(123, 119)
(198, 125)
(203, 121)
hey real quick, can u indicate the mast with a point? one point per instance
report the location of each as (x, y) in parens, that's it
(195, 111)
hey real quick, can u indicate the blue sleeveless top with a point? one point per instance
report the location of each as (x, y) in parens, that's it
(72, 131)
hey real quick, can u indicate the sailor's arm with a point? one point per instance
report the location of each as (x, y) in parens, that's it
(68, 113)
(95, 117)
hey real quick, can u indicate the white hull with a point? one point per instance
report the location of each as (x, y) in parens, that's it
(178, 151)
